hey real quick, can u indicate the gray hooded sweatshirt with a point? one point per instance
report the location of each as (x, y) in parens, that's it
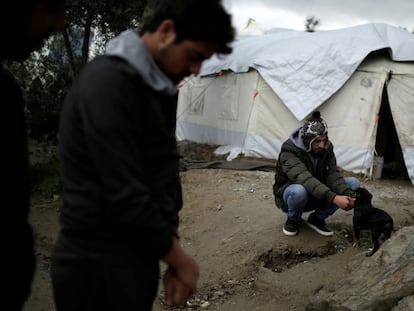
(117, 147)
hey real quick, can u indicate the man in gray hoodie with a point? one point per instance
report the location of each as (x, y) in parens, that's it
(120, 165)
(307, 178)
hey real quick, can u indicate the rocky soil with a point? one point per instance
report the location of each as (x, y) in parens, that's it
(230, 224)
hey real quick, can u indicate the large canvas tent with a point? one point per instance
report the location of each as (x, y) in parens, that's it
(360, 78)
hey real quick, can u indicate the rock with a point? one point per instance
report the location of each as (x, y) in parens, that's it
(265, 278)
(407, 304)
(379, 282)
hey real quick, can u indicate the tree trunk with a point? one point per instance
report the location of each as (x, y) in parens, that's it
(69, 52)
(86, 40)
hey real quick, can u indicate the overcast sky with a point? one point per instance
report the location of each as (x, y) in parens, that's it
(332, 14)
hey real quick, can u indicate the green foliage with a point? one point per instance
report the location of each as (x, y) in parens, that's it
(47, 75)
(44, 78)
(109, 17)
(97, 21)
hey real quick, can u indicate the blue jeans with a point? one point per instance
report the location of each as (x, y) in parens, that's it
(296, 201)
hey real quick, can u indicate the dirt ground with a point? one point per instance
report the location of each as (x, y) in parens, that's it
(230, 224)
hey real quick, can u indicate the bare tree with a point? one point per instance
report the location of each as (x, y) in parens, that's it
(311, 23)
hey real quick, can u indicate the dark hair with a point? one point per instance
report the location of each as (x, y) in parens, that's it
(19, 11)
(25, 7)
(14, 18)
(196, 20)
(53, 5)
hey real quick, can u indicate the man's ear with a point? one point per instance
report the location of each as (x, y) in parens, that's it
(166, 33)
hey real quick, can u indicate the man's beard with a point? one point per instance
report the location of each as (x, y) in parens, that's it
(317, 154)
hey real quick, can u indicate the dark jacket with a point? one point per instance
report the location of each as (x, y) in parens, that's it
(16, 234)
(295, 165)
(121, 188)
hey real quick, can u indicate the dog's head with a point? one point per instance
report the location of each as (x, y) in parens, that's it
(362, 197)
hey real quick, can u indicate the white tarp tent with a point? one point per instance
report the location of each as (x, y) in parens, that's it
(250, 101)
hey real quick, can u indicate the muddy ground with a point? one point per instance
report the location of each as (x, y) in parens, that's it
(230, 224)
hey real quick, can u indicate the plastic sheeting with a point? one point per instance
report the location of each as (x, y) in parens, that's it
(305, 69)
(240, 112)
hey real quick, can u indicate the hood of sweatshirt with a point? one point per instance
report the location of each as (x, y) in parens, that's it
(296, 138)
(129, 46)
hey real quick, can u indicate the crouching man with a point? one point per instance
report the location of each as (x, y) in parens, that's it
(307, 178)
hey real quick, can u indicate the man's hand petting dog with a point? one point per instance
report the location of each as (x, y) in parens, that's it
(344, 202)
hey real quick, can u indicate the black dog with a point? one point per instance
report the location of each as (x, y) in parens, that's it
(367, 217)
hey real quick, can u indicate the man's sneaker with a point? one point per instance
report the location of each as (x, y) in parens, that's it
(291, 227)
(318, 225)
